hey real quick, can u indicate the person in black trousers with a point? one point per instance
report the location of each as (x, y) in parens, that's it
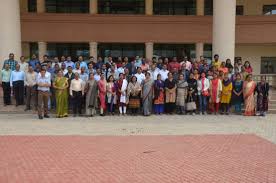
(77, 93)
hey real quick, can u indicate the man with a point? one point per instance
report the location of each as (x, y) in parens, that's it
(81, 62)
(174, 65)
(63, 68)
(77, 92)
(70, 75)
(17, 83)
(138, 62)
(23, 65)
(46, 61)
(154, 71)
(139, 75)
(56, 61)
(164, 73)
(11, 62)
(5, 82)
(97, 76)
(44, 84)
(90, 69)
(34, 61)
(83, 75)
(69, 62)
(30, 83)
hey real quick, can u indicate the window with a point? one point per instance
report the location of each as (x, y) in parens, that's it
(207, 53)
(121, 50)
(171, 50)
(67, 6)
(121, 6)
(208, 7)
(268, 65)
(269, 9)
(174, 7)
(66, 49)
(33, 49)
(32, 5)
(239, 10)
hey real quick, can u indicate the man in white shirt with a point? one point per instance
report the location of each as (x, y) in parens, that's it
(139, 75)
(30, 83)
(77, 92)
(164, 73)
(23, 64)
(154, 71)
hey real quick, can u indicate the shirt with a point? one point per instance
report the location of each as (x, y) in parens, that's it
(11, 63)
(69, 63)
(153, 74)
(97, 77)
(17, 76)
(30, 78)
(83, 64)
(140, 77)
(164, 74)
(43, 80)
(33, 63)
(84, 77)
(24, 66)
(5, 75)
(76, 85)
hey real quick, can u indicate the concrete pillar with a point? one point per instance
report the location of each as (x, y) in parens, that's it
(93, 49)
(149, 7)
(200, 7)
(149, 50)
(10, 32)
(224, 23)
(199, 50)
(93, 6)
(42, 50)
(40, 5)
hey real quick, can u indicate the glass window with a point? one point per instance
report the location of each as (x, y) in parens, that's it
(269, 9)
(121, 50)
(268, 65)
(33, 49)
(68, 49)
(67, 6)
(171, 50)
(207, 53)
(32, 5)
(121, 6)
(174, 7)
(239, 10)
(208, 7)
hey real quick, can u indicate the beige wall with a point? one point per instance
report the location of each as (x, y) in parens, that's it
(253, 53)
(254, 7)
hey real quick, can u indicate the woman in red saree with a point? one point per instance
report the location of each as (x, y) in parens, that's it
(248, 94)
(102, 94)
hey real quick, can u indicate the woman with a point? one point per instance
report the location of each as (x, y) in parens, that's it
(248, 95)
(170, 91)
(91, 90)
(133, 93)
(147, 94)
(181, 94)
(247, 67)
(215, 93)
(226, 94)
(262, 96)
(237, 96)
(61, 84)
(203, 93)
(159, 96)
(111, 94)
(102, 93)
(192, 94)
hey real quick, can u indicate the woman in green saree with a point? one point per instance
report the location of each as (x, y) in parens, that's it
(61, 84)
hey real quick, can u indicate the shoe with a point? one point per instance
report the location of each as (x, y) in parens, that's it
(40, 117)
(46, 116)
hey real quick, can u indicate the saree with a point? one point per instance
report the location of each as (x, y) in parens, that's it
(248, 94)
(147, 96)
(159, 96)
(61, 97)
(181, 93)
(102, 93)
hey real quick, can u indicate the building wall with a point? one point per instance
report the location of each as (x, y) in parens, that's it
(253, 53)
(254, 7)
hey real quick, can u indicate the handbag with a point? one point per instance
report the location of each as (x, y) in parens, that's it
(205, 93)
(191, 105)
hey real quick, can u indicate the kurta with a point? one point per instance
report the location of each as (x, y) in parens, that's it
(170, 91)
(237, 87)
(159, 92)
(226, 92)
(102, 93)
(110, 87)
(181, 93)
(61, 97)
(215, 89)
(147, 96)
(262, 97)
(91, 94)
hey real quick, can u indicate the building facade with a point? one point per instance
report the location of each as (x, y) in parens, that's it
(233, 29)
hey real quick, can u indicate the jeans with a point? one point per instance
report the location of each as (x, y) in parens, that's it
(202, 103)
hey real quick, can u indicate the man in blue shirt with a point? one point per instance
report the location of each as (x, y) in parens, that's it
(69, 62)
(5, 81)
(82, 63)
(11, 62)
(17, 84)
(34, 61)
(43, 88)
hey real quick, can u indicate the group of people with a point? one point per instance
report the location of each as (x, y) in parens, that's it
(139, 86)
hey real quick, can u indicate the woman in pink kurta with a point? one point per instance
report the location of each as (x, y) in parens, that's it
(102, 93)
